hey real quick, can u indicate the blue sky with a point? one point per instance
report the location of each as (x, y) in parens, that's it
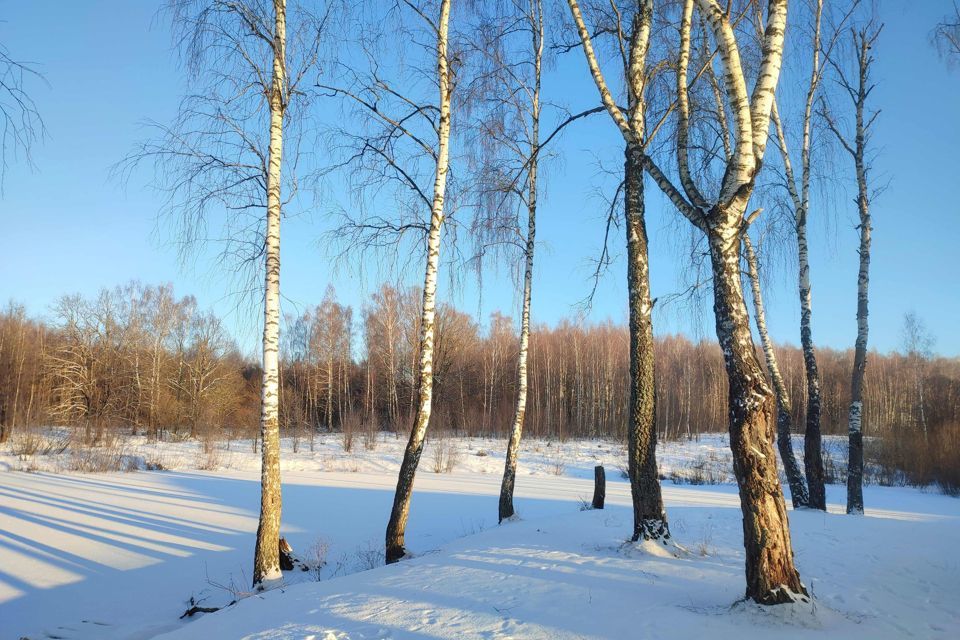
(68, 227)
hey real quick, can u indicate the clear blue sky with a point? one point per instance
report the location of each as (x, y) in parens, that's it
(68, 227)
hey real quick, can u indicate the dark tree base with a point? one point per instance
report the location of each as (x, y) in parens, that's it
(599, 487)
(652, 529)
(394, 554)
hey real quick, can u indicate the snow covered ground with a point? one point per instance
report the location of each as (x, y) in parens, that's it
(120, 555)
(705, 460)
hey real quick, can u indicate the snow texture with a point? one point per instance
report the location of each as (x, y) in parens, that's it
(120, 555)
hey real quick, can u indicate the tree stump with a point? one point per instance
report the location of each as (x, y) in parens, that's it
(286, 555)
(599, 487)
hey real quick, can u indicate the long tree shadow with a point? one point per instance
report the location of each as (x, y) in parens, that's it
(82, 509)
(149, 541)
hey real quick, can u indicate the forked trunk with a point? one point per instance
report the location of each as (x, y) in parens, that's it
(770, 572)
(266, 559)
(397, 525)
(798, 489)
(649, 517)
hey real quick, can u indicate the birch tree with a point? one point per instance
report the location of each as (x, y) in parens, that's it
(798, 189)
(857, 86)
(798, 488)
(222, 161)
(649, 515)
(508, 46)
(403, 146)
(771, 575)
(382, 319)
(917, 345)
(395, 549)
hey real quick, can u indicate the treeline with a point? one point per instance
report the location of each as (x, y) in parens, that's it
(134, 357)
(140, 359)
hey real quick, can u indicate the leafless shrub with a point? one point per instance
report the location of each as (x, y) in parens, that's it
(97, 459)
(913, 459)
(834, 463)
(702, 470)
(316, 558)
(209, 457)
(154, 464)
(31, 443)
(558, 465)
(453, 458)
(704, 545)
(438, 456)
(445, 454)
(350, 424)
(369, 556)
(370, 433)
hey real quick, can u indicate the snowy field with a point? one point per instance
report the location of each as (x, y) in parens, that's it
(123, 555)
(705, 460)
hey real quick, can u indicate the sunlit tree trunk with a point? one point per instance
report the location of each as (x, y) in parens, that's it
(855, 420)
(812, 440)
(770, 573)
(799, 192)
(266, 562)
(771, 576)
(411, 456)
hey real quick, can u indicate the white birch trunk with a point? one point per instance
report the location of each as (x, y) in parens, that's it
(770, 572)
(266, 564)
(864, 40)
(855, 420)
(506, 509)
(411, 457)
(813, 454)
(798, 488)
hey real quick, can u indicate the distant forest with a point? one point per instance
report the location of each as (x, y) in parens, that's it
(138, 358)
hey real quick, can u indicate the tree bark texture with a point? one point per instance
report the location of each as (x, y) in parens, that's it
(771, 576)
(812, 440)
(864, 41)
(855, 419)
(649, 516)
(798, 488)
